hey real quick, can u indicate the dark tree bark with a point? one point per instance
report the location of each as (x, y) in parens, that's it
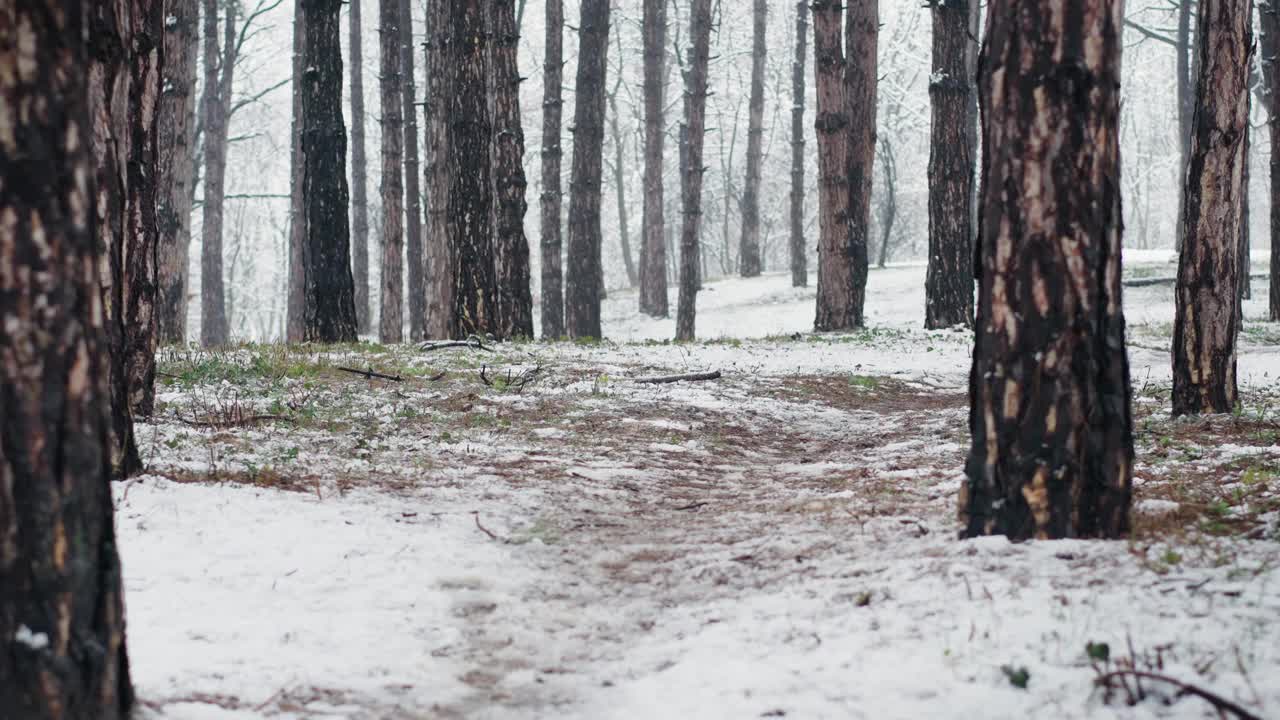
(62, 641)
(653, 246)
(391, 95)
(620, 185)
(219, 73)
(511, 251)
(109, 77)
(1186, 98)
(749, 261)
(1052, 452)
(842, 266)
(437, 261)
(470, 199)
(359, 170)
(799, 259)
(1270, 17)
(329, 294)
(584, 276)
(1207, 319)
(177, 166)
(1246, 287)
(296, 284)
(412, 179)
(952, 154)
(552, 199)
(832, 125)
(691, 165)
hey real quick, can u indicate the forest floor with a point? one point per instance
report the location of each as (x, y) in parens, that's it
(527, 531)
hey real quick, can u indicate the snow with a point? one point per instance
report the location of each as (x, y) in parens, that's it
(33, 640)
(780, 542)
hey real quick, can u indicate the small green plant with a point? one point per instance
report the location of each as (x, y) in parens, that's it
(1018, 676)
(1098, 652)
(866, 382)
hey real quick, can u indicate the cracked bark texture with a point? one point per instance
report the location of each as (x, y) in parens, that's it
(359, 169)
(584, 274)
(691, 164)
(437, 262)
(952, 151)
(832, 125)
(1207, 296)
(653, 245)
(391, 96)
(511, 251)
(798, 245)
(177, 166)
(749, 260)
(552, 200)
(62, 643)
(329, 312)
(1052, 445)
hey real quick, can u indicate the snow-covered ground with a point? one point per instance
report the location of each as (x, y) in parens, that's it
(777, 543)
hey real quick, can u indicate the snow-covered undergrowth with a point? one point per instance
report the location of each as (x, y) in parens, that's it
(527, 532)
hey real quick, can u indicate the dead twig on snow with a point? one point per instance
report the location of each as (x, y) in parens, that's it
(474, 342)
(371, 374)
(1217, 701)
(485, 530)
(689, 377)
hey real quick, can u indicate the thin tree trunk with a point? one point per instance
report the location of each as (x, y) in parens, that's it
(832, 125)
(391, 96)
(219, 72)
(61, 609)
(329, 291)
(412, 180)
(692, 132)
(584, 276)
(470, 199)
(952, 150)
(1052, 445)
(889, 209)
(437, 262)
(359, 170)
(108, 98)
(552, 199)
(1246, 287)
(1186, 99)
(1270, 16)
(749, 260)
(177, 161)
(1207, 318)
(511, 253)
(798, 245)
(296, 286)
(620, 189)
(653, 246)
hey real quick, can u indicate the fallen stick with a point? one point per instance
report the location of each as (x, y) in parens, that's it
(371, 374)
(471, 342)
(1213, 699)
(689, 377)
(236, 422)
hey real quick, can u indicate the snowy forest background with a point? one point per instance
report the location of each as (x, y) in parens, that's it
(257, 209)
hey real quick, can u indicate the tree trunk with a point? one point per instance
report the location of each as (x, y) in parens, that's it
(1206, 323)
(391, 95)
(62, 642)
(412, 187)
(582, 286)
(329, 291)
(691, 167)
(1246, 287)
(219, 72)
(359, 170)
(832, 125)
(296, 286)
(889, 206)
(749, 261)
(511, 252)
(842, 270)
(437, 262)
(952, 150)
(798, 246)
(1186, 101)
(552, 199)
(1052, 450)
(653, 246)
(1270, 17)
(108, 101)
(620, 187)
(470, 199)
(177, 166)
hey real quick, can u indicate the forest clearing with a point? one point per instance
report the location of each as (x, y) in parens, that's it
(779, 542)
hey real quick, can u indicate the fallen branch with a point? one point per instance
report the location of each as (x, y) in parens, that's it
(371, 374)
(1222, 704)
(485, 530)
(693, 506)
(474, 342)
(236, 422)
(689, 377)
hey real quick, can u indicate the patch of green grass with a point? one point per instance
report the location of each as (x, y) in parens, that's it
(866, 382)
